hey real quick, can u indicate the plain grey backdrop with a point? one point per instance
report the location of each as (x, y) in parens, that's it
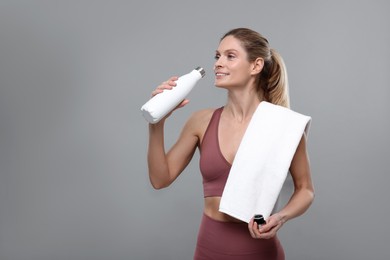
(74, 74)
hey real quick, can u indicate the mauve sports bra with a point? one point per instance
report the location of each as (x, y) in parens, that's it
(213, 165)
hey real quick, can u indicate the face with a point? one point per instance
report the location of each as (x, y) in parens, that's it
(232, 68)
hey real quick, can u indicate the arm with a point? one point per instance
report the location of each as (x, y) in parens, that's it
(303, 194)
(164, 167)
(300, 200)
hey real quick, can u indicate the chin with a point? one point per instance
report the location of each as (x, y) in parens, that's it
(221, 85)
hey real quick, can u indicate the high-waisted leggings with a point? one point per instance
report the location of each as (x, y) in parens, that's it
(219, 240)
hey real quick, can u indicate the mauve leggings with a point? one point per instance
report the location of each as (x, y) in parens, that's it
(228, 240)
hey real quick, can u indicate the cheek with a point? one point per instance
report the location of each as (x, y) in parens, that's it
(240, 66)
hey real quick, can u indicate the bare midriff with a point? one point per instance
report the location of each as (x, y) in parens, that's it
(211, 209)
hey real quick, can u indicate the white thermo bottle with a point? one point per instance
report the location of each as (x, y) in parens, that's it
(163, 103)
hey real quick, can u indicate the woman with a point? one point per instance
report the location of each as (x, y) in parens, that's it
(251, 72)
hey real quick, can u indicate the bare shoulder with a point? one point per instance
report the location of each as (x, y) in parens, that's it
(202, 115)
(199, 121)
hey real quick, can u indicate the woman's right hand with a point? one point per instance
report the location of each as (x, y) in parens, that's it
(169, 84)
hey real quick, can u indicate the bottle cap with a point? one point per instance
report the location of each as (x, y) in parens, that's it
(201, 71)
(259, 219)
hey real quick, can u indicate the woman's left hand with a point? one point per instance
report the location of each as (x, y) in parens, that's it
(266, 231)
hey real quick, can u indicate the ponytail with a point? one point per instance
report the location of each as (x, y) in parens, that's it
(274, 81)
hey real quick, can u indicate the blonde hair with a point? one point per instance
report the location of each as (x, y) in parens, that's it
(273, 81)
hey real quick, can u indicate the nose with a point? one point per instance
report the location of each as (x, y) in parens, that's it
(218, 64)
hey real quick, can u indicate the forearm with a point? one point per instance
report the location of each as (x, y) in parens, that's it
(299, 202)
(303, 194)
(157, 158)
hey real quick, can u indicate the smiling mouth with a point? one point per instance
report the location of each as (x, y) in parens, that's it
(219, 74)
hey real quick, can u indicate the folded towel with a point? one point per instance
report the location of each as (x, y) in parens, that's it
(262, 161)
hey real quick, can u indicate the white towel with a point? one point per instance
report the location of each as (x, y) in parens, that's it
(262, 161)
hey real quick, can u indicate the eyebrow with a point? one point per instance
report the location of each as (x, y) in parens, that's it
(228, 50)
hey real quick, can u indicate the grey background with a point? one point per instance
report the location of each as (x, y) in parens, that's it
(74, 74)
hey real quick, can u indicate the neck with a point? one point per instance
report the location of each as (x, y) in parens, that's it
(242, 104)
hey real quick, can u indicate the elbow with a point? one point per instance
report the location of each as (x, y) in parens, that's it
(307, 193)
(158, 185)
(160, 180)
(311, 194)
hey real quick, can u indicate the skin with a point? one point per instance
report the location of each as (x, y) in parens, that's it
(238, 76)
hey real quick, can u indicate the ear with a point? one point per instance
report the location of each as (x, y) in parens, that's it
(257, 66)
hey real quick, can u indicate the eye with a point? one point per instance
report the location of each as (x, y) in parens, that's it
(216, 57)
(231, 56)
